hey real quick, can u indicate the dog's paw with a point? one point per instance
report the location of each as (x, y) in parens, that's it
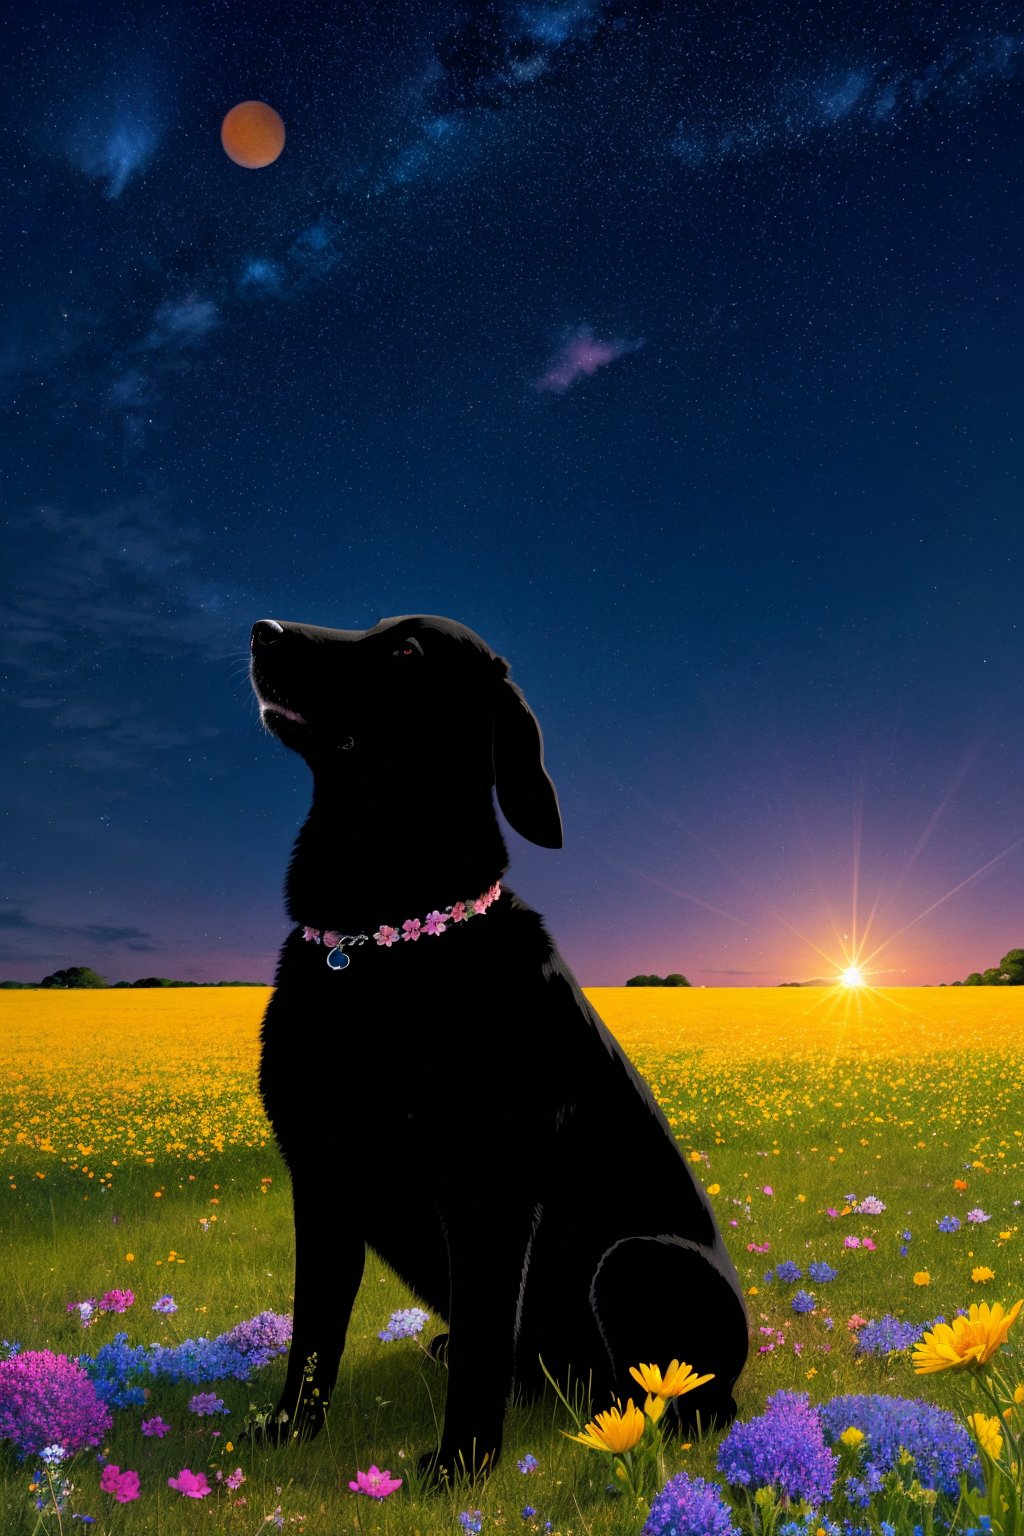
(446, 1466)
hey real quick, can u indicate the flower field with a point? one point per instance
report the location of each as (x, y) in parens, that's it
(864, 1152)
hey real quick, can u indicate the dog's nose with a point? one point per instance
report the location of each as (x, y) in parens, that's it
(265, 632)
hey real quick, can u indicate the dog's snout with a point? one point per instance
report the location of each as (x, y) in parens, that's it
(265, 632)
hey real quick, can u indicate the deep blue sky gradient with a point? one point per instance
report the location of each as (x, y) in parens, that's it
(758, 571)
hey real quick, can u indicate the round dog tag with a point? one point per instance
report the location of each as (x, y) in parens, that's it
(337, 959)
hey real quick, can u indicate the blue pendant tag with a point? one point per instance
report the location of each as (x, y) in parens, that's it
(337, 959)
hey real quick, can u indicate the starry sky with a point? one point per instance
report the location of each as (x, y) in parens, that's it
(675, 350)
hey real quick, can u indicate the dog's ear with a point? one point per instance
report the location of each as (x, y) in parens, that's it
(526, 795)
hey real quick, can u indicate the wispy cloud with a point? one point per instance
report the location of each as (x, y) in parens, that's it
(857, 95)
(580, 358)
(115, 152)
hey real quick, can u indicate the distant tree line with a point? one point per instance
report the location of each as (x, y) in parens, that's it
(672, 980)
(1008, 973)
(79, 976)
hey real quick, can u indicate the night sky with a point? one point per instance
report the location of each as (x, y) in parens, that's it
(676, 350)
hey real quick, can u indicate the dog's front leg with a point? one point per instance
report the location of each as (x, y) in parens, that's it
(487, 1255)
(328, 1269)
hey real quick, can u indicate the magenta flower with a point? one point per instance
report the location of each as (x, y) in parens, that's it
(412, 929)
(435, 922)
(234, 1480)
(47, 1399)
(768, 1190)
(207, 1403)
(123, 1485)
(831, 1211)
(851, 1242)
(869, 1243)
(155, 1427)
(192, 1484)
(376, 1483)
(117, 1301)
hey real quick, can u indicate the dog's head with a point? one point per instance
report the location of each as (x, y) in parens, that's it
(394, 706)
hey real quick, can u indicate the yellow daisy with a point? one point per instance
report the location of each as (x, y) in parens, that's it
(617, 1430)
(987, 1434)
(679, 1378)
(967, 1340)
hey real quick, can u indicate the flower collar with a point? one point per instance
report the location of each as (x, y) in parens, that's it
(412, 929)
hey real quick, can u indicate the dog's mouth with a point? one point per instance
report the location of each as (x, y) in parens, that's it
(268, 706)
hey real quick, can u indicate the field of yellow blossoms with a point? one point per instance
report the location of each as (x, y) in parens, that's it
(863, 1150)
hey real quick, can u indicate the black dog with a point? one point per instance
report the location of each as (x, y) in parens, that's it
(438, 1084)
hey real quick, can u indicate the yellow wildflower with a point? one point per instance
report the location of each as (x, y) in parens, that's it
(987, 1434)
(617, 1430)
(922, 1277)
(679, 1378)
(965, 1341)
(981, 1273)
(852, 1436)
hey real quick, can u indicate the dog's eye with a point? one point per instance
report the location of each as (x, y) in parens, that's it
(408, 647)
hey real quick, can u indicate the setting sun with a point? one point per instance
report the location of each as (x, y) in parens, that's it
(852, 977)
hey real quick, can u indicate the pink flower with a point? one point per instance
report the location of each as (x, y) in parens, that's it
(155, 1427)
(831, 1211)
(123, 1485)
(758, 1247)
(768, 1190)
(851, 1242)
(376, 1483)
(412, 929)
(458, 912)
(435, 922)
(117, 1301)
(311, 935)
(192, 1484)
(234, 1480)
(386, 936)
(332, 939)
(868, 1242)
(855, 1322)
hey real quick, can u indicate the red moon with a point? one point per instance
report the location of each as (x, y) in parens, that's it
(252, 134)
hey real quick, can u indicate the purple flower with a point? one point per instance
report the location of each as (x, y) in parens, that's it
(205, 1404)
(165, 1304)
(871, 1206)
(471, 1520)
(528, 1512)
(689, 1506)
(117, 1301)
(156, 1427)
(375, 1483)
(942, 1449)
(260, 1339)
(851, 1242)
(435, 922)
(404, 1324)
(977, 1215)
(783, 1448)
(949, 1224)
(529, 1463)
(888, 1335)
(85, 1310)
(47, 1399)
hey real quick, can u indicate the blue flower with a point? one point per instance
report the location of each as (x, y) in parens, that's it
(404, 1324)
(942, 1449)
(787, 1271)
(529, 1463)
(949, 1224)
(529, 1512)
(888, 1335)
(820, 1273)
(689, 1506)
(165, 1304)
(471, 1520)
(803, 1301)
(783, 1448)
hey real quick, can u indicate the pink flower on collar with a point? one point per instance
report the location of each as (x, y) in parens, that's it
(459, 912)
(386, 935)
(435, 922)
(412, 928)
